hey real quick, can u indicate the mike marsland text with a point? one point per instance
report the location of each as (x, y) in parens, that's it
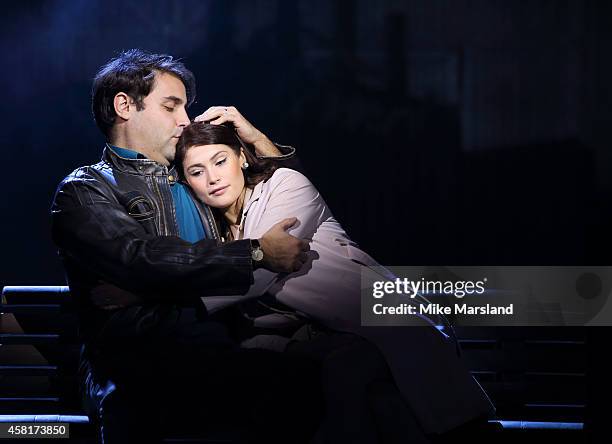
(437, 309)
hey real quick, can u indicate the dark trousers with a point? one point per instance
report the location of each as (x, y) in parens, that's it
(362, 402)
(177, 372)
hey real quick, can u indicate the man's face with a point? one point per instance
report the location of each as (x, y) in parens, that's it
(155, 130)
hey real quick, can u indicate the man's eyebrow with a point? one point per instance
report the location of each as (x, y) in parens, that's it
(174, 99)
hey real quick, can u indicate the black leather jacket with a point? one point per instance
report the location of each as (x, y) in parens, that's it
(115, 222)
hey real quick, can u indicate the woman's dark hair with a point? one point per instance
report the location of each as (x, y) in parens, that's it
(133, 72)
(200, 133)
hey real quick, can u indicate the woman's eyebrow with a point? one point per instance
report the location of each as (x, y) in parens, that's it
(201, 165)
(217, 153)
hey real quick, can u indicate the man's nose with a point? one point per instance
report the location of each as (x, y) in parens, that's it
(183, 118)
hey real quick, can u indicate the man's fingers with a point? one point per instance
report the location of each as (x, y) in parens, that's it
(212, 113)
(219, 120)
(215, 112)
(285, 224)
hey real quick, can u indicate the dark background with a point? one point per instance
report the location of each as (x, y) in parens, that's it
(443, 132)
(447, 132)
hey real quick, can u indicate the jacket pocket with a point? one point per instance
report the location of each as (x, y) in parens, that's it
(140, 208)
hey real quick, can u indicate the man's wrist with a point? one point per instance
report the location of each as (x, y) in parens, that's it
(265, 148)
(257, 254)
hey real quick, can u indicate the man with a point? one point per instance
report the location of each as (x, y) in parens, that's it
(127, 222)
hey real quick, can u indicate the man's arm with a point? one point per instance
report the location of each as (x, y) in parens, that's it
(99, 235)
(264, 147)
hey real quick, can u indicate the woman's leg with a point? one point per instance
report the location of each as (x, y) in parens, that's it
(394, 419)
(348, 366)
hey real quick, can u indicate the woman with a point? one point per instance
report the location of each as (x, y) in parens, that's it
(249, 195)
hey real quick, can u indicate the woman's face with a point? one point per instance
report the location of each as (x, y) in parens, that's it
(214, 172)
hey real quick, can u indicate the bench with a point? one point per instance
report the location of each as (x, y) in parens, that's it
(535, 376)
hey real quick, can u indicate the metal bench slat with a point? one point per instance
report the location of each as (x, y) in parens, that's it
(49, 309)
(73, 419)
(42, 294)
(28, 370)
(33, 339)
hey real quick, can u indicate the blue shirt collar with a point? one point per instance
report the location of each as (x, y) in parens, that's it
(126, 153)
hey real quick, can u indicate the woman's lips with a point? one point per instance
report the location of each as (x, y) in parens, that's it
(219, 191)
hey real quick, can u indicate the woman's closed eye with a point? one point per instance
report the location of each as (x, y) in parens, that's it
(220, 162)
(196, 173)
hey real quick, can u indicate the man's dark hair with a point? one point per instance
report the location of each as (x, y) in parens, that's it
(133, 72)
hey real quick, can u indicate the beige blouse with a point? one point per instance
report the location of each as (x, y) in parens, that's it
(327, 288)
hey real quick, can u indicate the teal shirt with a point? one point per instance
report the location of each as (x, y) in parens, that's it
(188, 219)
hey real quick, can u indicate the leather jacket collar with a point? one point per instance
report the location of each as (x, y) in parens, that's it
(135, 166)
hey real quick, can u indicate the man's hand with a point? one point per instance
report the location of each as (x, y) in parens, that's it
(245, 130)
(283, 253)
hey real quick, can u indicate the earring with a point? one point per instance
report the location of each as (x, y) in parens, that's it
(245, 165)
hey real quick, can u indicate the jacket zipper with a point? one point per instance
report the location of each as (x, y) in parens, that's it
(163, 222)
